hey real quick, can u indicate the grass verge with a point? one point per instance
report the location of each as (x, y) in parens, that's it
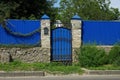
(47, 67)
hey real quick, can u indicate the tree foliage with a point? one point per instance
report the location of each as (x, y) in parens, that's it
(26, 9)
(88, 10)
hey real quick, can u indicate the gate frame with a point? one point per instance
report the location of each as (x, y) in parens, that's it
(63, 61)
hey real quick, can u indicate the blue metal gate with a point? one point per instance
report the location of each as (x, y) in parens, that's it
(61, 44)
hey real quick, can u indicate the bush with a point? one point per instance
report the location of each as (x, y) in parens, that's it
(114, 55)
(91, 56)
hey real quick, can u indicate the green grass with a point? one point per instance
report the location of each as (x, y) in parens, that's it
(54, 68)
(105, 67)
(48, 67)
(65, 69)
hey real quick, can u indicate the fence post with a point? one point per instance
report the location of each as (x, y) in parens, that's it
(45, 31)
(45, 34)
(76, 35)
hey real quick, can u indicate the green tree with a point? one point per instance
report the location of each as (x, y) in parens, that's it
(5, 9)
(26, 9)
(88, 9)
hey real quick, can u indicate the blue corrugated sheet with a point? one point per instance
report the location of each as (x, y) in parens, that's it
(101, 32)
(20, 27)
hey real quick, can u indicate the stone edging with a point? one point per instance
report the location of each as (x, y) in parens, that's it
(102, 72)
(21, 73)
(42, 73)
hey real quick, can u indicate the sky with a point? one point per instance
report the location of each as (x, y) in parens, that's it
(57, 4)
(114, 3)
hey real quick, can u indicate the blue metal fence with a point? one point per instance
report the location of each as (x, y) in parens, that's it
(27, 32)
(20, 32)
(101, 32)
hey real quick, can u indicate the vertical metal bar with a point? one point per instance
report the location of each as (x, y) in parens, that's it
(58, 44)
(61, 45)
(71, 42)
(68, 54)
(65, 45)
(58, 54)
(51, 46)
(64, 48)
(55, 46)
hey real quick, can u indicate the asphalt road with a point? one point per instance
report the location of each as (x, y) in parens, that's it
(85, 77)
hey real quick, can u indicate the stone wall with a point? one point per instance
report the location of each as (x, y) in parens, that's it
(36, 54)
(75, 55)
(106, 48)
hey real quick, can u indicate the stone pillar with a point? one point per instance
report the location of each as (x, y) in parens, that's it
(45, 33)
(76, 35)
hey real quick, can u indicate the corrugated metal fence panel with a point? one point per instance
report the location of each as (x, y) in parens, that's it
(101, 32)
(20, 27)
